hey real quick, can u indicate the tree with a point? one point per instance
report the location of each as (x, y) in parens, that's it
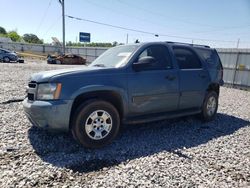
(2, 31)
(69, 43)
(13, 35)
(32, 38)
(115, 43)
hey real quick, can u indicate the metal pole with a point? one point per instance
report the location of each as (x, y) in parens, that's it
(127, 39)
(236, 67)
(63, 25)
(238, 43)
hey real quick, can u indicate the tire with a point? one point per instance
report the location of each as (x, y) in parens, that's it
(210, 106)
(6, 59)
(95, 123)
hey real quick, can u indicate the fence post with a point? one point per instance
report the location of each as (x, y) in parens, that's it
(236, 66)
(95, 53)
(86, 53)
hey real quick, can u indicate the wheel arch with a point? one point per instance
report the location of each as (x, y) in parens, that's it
(6, 57)
(110, 96)
(214, 87)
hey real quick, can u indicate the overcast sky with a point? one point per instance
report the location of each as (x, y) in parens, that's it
(216, 22)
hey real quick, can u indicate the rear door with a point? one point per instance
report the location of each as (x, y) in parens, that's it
(193, 77)
(154, 89)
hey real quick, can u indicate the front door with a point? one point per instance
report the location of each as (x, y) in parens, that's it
(156, 88)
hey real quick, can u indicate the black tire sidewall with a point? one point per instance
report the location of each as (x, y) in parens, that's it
(204, 114)
(81, 116)
(6, 61)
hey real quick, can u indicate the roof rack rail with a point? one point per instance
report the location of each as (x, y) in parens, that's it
(183, 43)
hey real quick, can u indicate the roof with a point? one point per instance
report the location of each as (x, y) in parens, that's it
(173, 43)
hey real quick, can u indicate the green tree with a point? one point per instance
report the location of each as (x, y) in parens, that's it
(13, 35)
(2, 31)
(115, 43)
(69, 43)
(32, 38)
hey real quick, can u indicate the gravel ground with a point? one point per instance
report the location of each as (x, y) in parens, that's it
(181, 152)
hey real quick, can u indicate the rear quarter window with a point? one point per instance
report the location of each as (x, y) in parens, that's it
(210, 57)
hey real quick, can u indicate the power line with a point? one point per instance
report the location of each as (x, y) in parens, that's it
(109, 25)
(44, 15)
(141, 31)
(124, 14)
(148, 21)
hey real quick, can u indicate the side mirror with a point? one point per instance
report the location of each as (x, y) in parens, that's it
(144, 63)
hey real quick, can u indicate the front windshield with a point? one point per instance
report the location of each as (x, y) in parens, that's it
(115, 57)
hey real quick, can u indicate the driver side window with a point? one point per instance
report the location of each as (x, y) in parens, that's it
(160, 54)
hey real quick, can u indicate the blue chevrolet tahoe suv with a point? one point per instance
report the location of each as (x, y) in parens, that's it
(126, 84)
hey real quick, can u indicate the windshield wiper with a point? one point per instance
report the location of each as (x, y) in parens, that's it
(99, 65)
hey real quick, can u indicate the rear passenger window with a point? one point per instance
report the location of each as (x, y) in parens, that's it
(186, 58)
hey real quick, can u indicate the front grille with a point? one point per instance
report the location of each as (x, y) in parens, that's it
(31, 96)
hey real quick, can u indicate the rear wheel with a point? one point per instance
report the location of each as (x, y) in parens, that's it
(95, 124)
(210, 106)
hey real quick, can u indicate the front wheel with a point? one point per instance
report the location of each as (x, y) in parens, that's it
(210, 106)
(95, 123)
(6, 59)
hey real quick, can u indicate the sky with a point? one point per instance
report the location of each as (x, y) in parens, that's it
(219, 23)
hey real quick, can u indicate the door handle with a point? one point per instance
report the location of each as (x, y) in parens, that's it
(170, 77)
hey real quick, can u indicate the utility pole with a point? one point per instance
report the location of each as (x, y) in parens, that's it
(127, 39)
(238, 43)
(63, 24)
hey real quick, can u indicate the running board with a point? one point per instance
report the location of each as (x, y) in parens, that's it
(161, 116)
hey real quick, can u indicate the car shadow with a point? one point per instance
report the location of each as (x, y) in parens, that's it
(134, 141)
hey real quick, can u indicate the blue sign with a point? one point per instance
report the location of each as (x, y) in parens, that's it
(84, 37)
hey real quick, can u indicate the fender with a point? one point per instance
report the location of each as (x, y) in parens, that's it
(94, 88)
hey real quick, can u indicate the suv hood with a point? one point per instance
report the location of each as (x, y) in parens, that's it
(14, 53)
(47, 75)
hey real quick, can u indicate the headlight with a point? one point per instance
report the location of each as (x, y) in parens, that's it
(49, 91)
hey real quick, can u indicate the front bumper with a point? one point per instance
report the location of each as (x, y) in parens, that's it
(51, 115)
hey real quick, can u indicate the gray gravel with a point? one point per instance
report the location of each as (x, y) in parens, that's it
(181, 152)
